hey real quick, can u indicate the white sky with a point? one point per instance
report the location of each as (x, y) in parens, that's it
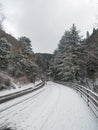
(44, 21)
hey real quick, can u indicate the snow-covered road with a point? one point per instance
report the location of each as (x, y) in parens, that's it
(54, 107)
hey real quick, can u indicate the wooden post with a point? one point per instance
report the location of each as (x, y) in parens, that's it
(87, 97)
(81, 94)
(81, 91)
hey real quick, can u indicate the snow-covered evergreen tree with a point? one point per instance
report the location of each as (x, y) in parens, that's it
(66, 57)
(5, 50)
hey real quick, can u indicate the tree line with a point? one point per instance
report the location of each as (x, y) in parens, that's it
(76, 59)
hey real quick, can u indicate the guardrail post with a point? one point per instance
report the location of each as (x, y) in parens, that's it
(81, 94)
(81, 91)
(87, 97)
(77, 88)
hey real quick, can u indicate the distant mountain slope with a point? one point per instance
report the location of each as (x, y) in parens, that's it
(43, 60)
(46, 56)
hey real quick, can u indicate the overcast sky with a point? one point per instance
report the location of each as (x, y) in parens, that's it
(44, 21)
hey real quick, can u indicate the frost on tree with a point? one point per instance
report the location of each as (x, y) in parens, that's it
(68, 56)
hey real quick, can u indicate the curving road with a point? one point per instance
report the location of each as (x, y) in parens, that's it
(54, 107)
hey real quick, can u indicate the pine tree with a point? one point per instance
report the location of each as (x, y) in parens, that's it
(5, 50)
(92, 62)
(66, 63)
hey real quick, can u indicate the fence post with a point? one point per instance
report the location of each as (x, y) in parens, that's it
(81, 95)
(76, 88)
(80, 90)
(87, 97)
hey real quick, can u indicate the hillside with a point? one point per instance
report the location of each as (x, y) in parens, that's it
(44, 62)
(17, 61)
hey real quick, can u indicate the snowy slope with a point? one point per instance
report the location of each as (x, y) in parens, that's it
(54, 107)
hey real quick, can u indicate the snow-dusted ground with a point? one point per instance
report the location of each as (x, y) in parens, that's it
(54, 107)
(19, 87)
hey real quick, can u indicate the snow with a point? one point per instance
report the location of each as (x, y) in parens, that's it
(53, 107)
(96, 82)
(19, 87)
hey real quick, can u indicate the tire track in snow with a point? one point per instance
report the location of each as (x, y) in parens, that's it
(46, 112)
(19, 125)
(9, 112)
(52, 111)
(13, 112)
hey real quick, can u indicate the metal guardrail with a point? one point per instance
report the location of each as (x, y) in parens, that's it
(89, 96)
(11, 96)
